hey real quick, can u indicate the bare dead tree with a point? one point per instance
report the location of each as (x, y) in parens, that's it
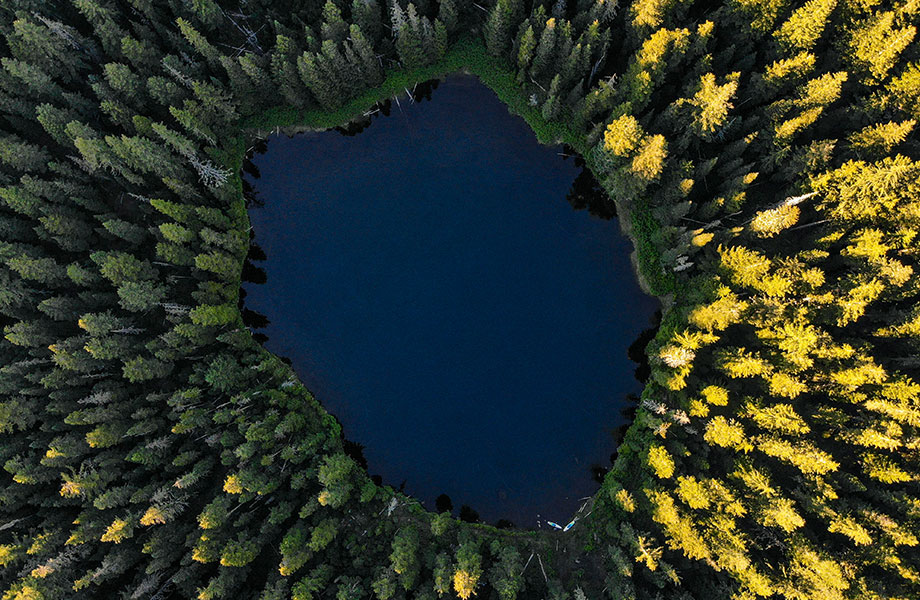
(175, 309)
(64, 32)
(240, 20)
(210, 174)
(178, 75)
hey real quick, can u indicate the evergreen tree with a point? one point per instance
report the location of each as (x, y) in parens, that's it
(552, 106)
(765, 152)
(499, 26)
(368, 15)
(199, 42)
(334, 27)
(449, 15)
(364, 53)
(526, 45)
(805, 26)
(546, 48)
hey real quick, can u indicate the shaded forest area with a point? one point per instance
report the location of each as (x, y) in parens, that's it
(761, 152)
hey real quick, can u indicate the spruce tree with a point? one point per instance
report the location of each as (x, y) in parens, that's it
(499, 26)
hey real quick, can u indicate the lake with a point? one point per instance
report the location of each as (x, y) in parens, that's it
(433, 286)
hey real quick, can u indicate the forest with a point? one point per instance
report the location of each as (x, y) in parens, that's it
(762, 155)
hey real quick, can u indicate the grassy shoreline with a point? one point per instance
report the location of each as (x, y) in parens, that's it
(470, 56)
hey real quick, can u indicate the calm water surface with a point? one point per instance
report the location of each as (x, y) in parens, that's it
(436, 292)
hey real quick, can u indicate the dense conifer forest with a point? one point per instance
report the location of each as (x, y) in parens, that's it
(760, 152)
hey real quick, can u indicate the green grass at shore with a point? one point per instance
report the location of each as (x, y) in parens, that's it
(467, 55)
(470, 55)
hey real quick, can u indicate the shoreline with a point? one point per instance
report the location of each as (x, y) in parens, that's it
(468, 57)
(459, 59)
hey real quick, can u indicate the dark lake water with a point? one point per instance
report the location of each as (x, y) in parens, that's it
(434, 288)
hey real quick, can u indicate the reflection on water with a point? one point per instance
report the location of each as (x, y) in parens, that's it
(422, 91)
(636, 350)
(586, 192)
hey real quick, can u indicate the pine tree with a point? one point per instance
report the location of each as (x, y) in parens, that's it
(768, 223)
(804, 28)
(404, 559)
(449, 15)
(650, 160)
(552, 106)
(22, 156)
(526, 45)
(284, 70)
(650, 13)
(881, 139)
(48, 45)
(499, 26)
(439, 42)
(711, 103)
(876, 45)
(367, 15)
(370, 66)
(256, 69)
(546, 48)
(316, 78)
(505, 575)
(208, 11)
(334, 27)
(572, 67)
(199, 42)
(413, 36)
(140, 53)
(38, 84)
(104, 25)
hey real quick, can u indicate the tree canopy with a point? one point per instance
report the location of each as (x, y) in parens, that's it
(762, 153)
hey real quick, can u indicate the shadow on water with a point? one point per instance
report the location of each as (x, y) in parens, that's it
(585, 193)
(443, 503)
(421, 92)
(255, 320)
(250, 167)
(253, 274)
(249, 193)
(643, 371)
(355, 451)
(637, 352)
